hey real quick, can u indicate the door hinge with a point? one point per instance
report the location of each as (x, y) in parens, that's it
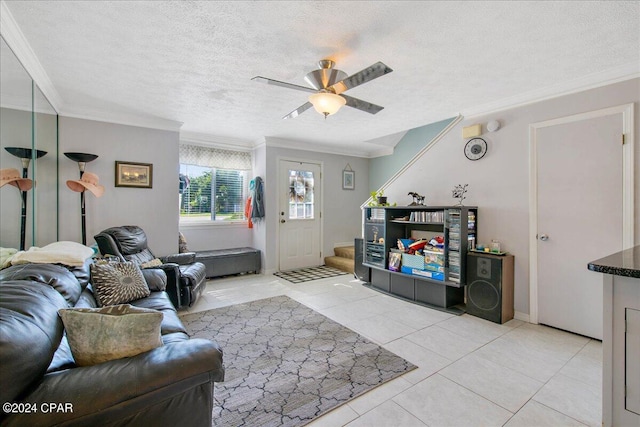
(623, 139)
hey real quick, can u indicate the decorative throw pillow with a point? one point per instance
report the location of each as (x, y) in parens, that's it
(182, 243)
(150, 264)
(97, 335)
(118, 282)
(66, 253)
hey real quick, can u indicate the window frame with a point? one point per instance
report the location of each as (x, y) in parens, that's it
(196, 141)
(185, 221)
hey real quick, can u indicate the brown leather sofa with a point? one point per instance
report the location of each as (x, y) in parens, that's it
(40, 384)
(185, 276)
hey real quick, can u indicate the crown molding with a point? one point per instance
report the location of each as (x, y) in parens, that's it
(18, 43)
(318, 148)
(388, 140)
(385, 145)
(122, 118)
(260, 142)
(223, 142)
(14, 102)
(386, 151)
(613, 75)
(226, 142)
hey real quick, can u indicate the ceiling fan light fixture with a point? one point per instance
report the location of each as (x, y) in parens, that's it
(327, 103)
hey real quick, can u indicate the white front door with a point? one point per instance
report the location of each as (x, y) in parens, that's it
(300, 186)
(579, 217)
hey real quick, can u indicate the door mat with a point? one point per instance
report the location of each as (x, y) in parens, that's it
(309, 273)
(286, 364)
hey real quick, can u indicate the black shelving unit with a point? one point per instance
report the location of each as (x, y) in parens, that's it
(383, 226)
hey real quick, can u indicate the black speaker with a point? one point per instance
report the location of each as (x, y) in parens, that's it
(360, 271)
(490, 286)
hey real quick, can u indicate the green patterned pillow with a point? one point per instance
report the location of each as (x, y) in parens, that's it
(117, 282)
(97, 335)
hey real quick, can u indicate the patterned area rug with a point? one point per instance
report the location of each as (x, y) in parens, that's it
(287, 364)
(310, 273)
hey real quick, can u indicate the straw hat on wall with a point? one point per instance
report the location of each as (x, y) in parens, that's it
(89, 181)
(13, 177)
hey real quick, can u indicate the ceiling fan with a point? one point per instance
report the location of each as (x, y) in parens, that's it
(327, 87)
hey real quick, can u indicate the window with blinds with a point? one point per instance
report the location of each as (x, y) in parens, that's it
(208, 189)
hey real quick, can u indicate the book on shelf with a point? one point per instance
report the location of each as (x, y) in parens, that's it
(376, 214)
(395, 260)
(427, 216)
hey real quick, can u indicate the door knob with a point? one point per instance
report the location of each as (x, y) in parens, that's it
(282, 221)
(543, 237)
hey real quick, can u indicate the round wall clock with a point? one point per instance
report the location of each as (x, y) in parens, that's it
(475, 149)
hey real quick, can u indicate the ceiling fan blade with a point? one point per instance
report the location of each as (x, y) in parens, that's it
(301, 109)
(283, 84)
(362, 105)
(371, 72)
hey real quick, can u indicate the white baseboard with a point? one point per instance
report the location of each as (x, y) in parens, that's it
(521, 316)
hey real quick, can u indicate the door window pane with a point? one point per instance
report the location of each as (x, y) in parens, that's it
(300, 194)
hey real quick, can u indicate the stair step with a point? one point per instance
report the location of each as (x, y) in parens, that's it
(345, 252)
(341, 263)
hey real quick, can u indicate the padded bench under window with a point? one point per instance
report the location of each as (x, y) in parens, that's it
(225, 262)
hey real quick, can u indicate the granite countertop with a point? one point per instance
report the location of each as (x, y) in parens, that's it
(624, 263)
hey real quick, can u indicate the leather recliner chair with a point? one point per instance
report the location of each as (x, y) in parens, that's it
(185, 277)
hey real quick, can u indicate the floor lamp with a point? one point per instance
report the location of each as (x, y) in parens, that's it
(25, 154)
(90, 182)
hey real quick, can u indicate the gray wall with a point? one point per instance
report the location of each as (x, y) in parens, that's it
(202, 237)
(260, 228)
(341, 214)
(155, 210)
(499, 183)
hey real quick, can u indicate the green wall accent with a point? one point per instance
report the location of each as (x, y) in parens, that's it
(384, 167)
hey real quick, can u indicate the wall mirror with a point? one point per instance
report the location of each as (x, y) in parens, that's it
(28, 130)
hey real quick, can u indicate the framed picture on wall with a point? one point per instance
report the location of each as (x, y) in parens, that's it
(348, 179)
(131, 174)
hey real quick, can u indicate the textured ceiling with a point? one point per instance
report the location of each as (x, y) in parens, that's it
(192, 61)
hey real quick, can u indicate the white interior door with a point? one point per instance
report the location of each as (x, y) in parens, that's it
(299, 215)
(579, 179)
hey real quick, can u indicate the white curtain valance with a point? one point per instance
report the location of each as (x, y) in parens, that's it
(214, 157)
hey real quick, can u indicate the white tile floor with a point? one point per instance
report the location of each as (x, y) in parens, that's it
(471, 372)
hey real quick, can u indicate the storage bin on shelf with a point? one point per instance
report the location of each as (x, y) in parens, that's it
(374, 254)
(424, 273)
(429, 264)
(434, 261)
(413, 261)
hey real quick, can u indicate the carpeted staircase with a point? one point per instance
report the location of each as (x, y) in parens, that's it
(343, 258)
